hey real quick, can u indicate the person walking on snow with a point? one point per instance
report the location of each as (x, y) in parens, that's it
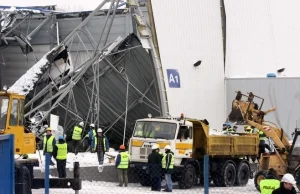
(122, 164)
(92, 137)
(167, 164)
(60, 154)
(101, 145)
(76, 136)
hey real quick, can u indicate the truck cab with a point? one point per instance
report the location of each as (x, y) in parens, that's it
(12, 122)
(174, 132)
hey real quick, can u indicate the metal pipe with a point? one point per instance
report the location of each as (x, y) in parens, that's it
(106, 19)
(37, 29)
(57, 33)
(111, 22)
(83, 23)
(127, 87)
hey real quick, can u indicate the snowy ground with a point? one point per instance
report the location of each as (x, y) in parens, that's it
(108, 187)
(85, 159)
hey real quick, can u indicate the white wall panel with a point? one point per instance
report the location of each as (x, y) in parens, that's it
(261, 37)
(186, 33)
(281, 93)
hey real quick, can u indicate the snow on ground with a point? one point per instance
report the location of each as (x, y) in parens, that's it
(108, 188)
(84, 159)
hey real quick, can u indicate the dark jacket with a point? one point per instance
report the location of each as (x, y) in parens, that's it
(282, 190)
(99, 144)
(55, 148)
(168, 162)
(154, 164)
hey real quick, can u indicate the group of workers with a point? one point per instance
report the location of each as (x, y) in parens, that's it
(158, 164)
(271, 185)
(57, 150)
(97, 141)
(249, 129)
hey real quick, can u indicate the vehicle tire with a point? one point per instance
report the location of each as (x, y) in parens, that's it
(145, 179)
(23, 181)
(243, 174)
(228, 175)
(188, 177)
(260, 175)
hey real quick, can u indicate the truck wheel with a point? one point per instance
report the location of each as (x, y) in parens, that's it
(243, 174)
(228, 175)
(259, 176)
(145, 179)
(188, 177)
(23, 181)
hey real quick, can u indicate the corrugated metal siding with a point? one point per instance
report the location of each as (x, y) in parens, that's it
(188, 32)
(16, 64)
(281, 93)
(262, 37)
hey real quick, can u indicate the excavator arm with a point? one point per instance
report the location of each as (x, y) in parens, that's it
(255, 117)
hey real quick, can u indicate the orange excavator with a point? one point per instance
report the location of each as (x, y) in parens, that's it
(285, 156)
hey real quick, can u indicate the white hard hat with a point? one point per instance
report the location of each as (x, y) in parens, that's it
(167, 147)
(92, 125)
(154, 147)
(81, 124)
(99, 130)
(288, 178)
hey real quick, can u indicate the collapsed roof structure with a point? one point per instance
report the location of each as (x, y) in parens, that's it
(91, 75)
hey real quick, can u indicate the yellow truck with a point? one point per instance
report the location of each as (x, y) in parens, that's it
(190, 140)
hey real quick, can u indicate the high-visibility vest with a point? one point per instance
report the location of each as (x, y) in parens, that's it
(164, 162)
(268, 185)
(229, 129)
(77, 133)
(49, 144)
(124, 156)
(249, 131)
(262, 135)
(103, 140)
(62, 151)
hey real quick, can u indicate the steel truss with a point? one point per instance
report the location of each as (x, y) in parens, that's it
(105, 63)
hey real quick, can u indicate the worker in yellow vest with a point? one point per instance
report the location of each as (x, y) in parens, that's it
(167, 164)
(269, 184)
(49, 143)
(76, 136)
(60, 154)
(122, 164)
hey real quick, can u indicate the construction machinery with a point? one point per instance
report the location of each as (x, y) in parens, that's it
(285, 156)
(190, 140)
(12, 122)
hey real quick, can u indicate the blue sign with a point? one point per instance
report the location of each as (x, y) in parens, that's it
(173, 78)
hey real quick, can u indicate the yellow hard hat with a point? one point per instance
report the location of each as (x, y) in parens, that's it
(48, 129)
